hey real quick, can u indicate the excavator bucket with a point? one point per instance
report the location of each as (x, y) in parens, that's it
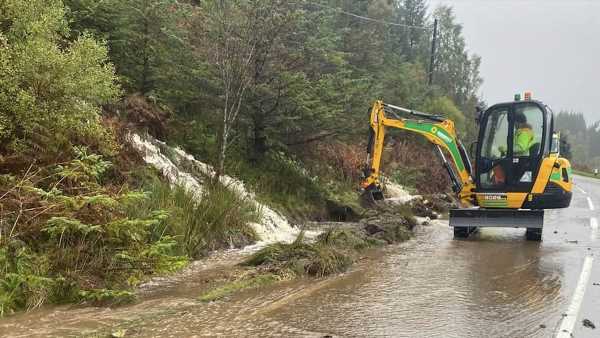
(370, 196)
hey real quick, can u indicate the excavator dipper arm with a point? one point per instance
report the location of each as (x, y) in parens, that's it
(438, 130)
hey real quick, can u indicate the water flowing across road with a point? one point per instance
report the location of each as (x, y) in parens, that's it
(495, 284)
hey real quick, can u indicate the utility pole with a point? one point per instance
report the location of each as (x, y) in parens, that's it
(433, 47)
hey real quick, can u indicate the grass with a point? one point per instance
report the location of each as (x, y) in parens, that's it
(252, 282)
(104, 297)
(218, 219)
(332, 252)
(283, 184)
(585, 173)
(302, 258)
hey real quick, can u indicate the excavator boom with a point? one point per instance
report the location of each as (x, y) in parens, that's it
(438, 130)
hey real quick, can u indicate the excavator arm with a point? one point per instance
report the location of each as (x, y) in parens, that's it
(438, 130)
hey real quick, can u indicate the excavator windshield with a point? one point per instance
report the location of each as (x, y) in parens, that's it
(511, 146)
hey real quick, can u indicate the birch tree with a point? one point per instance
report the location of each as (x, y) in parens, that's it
(231, 44)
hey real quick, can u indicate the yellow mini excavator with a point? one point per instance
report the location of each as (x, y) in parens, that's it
(518, 172)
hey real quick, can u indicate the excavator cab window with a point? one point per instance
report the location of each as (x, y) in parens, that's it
(511, 146)
(528, 132)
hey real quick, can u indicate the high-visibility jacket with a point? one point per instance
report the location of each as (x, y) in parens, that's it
(524, 139)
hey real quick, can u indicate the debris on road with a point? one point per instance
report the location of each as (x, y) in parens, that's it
(588, 323)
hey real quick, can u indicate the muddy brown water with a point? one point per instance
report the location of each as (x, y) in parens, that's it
(495, 284)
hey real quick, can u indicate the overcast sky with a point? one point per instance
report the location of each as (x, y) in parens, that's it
(551, 47)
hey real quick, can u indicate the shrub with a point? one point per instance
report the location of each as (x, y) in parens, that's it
(63, 232)
(50, 89)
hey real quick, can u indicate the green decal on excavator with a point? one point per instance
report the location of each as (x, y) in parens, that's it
(430, 128)
(555, 176)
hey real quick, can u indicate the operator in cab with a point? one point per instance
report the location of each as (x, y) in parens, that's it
(524, 137)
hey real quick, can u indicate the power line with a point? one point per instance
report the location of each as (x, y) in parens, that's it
(341, 11)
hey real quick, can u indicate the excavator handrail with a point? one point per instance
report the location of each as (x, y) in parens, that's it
(437, 118)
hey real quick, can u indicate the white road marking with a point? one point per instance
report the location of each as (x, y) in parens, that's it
(583, 191)
(594, 226)
(570, 318)
(591, 205)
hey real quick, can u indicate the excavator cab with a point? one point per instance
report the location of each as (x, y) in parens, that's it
(518, 159)
(513, 139)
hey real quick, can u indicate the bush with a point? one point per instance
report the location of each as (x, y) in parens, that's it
(62, 231)
(50, 89)
(251, 282)
(446, 107)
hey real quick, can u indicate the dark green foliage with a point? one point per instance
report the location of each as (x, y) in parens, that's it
(62, 232)
(146, 39)
(283, 182)
(580, 142)
(50, 89)
(311, 75)
(456, 72)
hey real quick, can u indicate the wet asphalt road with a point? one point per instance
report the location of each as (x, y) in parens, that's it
(495, 284)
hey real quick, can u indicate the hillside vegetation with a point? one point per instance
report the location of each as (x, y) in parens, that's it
(273, 92)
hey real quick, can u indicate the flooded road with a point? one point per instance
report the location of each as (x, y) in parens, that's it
(495, 284)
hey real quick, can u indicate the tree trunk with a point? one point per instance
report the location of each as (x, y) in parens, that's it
(260, 138)
(222, 151)
(145, 85)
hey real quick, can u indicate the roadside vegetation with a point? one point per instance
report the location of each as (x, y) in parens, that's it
(332, 252)
(588, 173)
(272, 92)
(66, 237)
(580, 140)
